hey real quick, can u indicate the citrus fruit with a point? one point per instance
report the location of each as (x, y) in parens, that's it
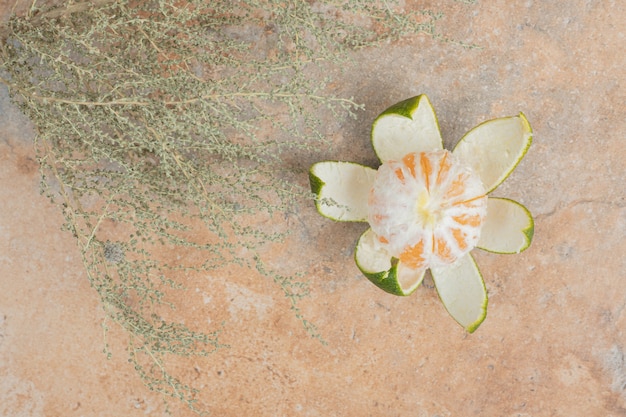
(427, 207)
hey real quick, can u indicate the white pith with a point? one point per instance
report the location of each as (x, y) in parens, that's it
(404, 213)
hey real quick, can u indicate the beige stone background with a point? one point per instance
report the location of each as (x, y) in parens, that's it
(554, 340)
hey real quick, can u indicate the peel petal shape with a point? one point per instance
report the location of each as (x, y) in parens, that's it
(341, 189)
(494, 148)
(462, 291)
(405, 127)
(508, 227)
(383, 270)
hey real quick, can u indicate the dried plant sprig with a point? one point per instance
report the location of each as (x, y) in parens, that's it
(152, 116)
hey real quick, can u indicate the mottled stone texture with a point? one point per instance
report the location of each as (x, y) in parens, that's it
(553, 343)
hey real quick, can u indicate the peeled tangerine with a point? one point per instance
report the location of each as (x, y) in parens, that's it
(427, 209)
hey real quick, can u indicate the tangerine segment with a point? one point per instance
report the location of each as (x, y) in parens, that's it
(443, 250)
(427, 168)
(465, 219)
(400, 174)
(457, 187)
(409, 162)
(460, 238)
(413, 256)
(444, 168)
(427, 213)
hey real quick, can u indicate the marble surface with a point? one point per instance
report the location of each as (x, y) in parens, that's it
(554, 340)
